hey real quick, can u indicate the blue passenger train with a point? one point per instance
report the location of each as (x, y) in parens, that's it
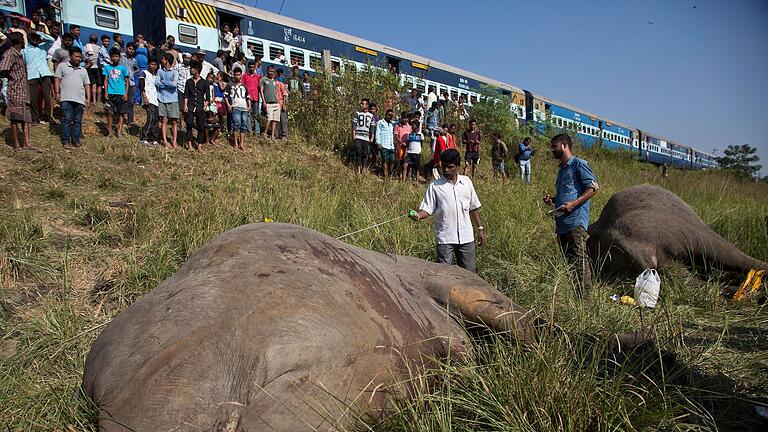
(285, 41)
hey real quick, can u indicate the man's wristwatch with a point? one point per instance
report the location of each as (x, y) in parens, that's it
(480, 228)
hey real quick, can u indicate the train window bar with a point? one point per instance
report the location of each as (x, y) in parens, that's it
(187, 34)
(106, 17)
(276, 52)
(315, 61)
(256, 48)
(297, 57)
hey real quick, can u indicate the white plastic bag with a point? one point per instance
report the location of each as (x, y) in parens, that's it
(647, 287)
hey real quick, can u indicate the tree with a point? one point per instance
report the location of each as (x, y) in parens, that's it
(741, 159)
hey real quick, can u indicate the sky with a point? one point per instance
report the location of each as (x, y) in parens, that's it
(696, 75)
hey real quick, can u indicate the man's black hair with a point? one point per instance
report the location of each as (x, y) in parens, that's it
(73, 26)
(169, 57)
(114, 51)
(104, 37)
(237, 69)
(563, 139)
(34, 39)
(75, 49)
(194, 64)
(68, 36)
(450, 156)
(251, 63)
(527, 139)
(130, 44)
(15, 38)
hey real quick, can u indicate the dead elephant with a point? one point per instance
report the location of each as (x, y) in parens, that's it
(648, 226)
(278, 327)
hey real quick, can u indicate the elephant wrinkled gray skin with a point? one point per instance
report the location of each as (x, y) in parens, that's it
(278, 327)
(648, 226)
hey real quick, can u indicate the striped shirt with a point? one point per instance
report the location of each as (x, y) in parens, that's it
(18, 86)
(184, 75)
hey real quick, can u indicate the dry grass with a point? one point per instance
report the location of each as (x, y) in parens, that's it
(72, 256)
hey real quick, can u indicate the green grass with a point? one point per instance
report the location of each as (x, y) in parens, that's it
(70, 261)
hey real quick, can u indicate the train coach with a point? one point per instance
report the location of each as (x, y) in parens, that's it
(284, 41)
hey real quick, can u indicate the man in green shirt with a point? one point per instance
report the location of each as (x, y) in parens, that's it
(268, 94)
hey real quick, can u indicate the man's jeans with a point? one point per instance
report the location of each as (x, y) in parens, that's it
(255, 110)
(71, 122)
(525, 170)
(465, 255)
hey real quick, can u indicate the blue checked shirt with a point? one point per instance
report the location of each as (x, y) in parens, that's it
(573, 179)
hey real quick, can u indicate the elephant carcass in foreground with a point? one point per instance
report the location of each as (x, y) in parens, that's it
(277, 327)
(648, 226)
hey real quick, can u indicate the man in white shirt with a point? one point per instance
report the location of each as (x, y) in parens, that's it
(431, 96)
(453, 201)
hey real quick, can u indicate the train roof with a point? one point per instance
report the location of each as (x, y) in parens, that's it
(582, 111)
(234, 6)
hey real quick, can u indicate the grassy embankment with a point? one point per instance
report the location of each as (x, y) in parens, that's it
(72, 257)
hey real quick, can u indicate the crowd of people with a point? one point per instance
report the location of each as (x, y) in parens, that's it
(395, 144)
(41, 67)
(184, 96)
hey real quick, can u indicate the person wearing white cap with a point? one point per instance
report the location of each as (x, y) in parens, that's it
(182, 68)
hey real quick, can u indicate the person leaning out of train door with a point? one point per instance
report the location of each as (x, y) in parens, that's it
(576, 185)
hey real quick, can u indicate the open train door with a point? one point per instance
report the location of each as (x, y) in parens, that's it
(149, 19)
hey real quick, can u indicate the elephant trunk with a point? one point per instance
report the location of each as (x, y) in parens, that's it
(723, 254)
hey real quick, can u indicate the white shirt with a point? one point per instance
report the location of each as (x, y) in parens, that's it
(451, 205)
(208, 68)
(431, 98)
(149, 87)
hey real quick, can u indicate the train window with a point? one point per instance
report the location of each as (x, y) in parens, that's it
(443, 90)
(455, 95)
(420, 86)
(474, 99)
(256, 48)
(315, 61)
(106, 17)
(335, 65)
(187, 34)
(276, 51)
(297, 57)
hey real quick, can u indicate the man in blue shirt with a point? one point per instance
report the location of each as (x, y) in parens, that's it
(576, 184)
(525, 151)
(385, 141)
(39, 75)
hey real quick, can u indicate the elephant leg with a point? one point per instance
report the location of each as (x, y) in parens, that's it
(640, 256)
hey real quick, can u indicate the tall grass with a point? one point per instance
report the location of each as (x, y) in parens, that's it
(72, 259)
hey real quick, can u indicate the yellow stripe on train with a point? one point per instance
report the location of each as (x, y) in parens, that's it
(191, 11)
(127, 4)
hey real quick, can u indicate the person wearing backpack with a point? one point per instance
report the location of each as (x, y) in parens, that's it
(498, 153)
(524, 154)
